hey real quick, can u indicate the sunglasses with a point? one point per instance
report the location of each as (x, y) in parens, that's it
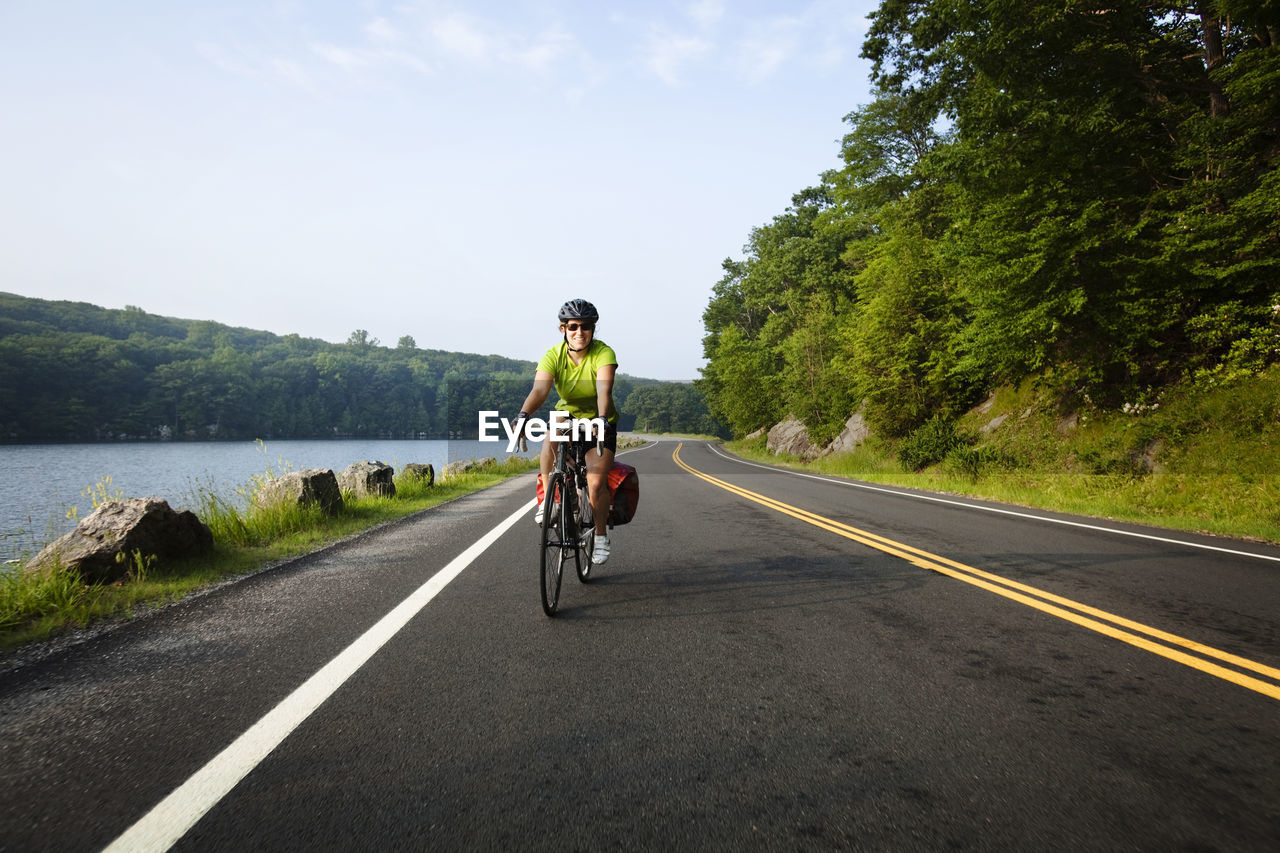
(586, 327)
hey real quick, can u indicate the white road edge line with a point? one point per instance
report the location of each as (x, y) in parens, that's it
(160, 828)
(1014, 513)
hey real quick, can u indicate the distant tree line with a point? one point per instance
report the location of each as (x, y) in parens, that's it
(1085, 194)
(75, 372)
(672, 407)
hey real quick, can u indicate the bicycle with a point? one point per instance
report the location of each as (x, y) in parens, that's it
(568, 526)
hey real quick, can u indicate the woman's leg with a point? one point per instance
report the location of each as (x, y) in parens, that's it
(598, 467)
(546, 458)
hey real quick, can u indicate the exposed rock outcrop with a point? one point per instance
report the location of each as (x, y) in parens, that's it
(856, 431)
(368, 478)
(102, 547)
(994, 423)
(792, 437)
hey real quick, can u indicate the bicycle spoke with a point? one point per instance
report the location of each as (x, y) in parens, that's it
(586, 538)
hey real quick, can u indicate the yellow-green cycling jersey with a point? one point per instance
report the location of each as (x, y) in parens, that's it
(576, 383)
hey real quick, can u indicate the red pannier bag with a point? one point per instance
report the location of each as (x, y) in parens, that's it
(624, 487)
(540, 489)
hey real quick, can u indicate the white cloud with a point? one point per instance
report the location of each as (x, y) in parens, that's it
(291, 72)
(706, 13)
(768, 46)
(480, 42)
(381, 30)
(463, 37)
(361, 58)
(667, 54)
(218, 56)
(341, 56)
(820, 36)
(256, 65)
(545, 50)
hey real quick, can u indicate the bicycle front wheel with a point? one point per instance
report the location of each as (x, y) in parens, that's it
(586, 536)
(553, 543)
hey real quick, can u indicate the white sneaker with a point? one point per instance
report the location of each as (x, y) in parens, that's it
(600, 552)
(537, 515)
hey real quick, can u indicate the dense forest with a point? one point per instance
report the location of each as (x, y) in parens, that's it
(71, 371)
(1080, 194)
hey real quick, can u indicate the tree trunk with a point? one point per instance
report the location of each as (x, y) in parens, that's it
(1211, 27)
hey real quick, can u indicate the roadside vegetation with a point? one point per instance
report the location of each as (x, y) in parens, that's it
(1043, 271)
(1077, 195)
(247, 537)
(1203, 456)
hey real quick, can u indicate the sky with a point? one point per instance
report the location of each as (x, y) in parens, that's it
(448, 171)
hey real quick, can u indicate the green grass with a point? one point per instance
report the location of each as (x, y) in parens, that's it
(247, 538)
(1212, 458)
(691, 436)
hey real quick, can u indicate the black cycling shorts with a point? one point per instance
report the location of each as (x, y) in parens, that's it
(610, 439)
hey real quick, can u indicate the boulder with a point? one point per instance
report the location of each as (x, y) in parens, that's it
(791, 437)
(368, 478)
(420, 472)
(102, 546)
(856, 431)
(1148, 460)
(464, 466)
(316, 486)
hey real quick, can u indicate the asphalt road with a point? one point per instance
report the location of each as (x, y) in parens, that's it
(767, 661)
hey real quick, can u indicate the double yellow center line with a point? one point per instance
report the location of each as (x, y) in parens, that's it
(1205, 658)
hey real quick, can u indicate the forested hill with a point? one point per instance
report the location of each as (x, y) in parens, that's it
(1078, 194)
(70, 371)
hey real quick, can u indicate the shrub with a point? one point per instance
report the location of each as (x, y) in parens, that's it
(929, 444)
(970, 461)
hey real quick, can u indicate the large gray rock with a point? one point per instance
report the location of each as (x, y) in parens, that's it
(856, 431)
(102, 546)
(419, 471)
(316, 486)
(465, 466)
(368, 478)
(791, 437)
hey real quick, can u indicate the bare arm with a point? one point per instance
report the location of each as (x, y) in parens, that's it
(542, 382)
(604, 389)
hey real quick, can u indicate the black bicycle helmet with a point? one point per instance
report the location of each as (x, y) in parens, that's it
(578, 309)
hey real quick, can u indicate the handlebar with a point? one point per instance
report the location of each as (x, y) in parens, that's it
(523, 443)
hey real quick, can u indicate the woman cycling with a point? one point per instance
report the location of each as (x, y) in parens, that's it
(581, 368)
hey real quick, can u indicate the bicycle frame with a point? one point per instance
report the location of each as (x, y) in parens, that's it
(568, 527)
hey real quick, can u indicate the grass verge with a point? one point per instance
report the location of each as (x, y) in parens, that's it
(1203, 459)
(39, 607)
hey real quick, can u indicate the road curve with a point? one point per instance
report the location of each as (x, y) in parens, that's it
(768, 660)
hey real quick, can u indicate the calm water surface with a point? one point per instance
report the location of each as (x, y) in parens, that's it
(40, 482)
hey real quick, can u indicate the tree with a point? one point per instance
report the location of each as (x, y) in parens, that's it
(360, 339)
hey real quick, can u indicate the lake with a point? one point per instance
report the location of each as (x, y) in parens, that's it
(40, 482)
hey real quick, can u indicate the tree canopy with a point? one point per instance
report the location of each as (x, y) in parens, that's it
(1082, 192)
